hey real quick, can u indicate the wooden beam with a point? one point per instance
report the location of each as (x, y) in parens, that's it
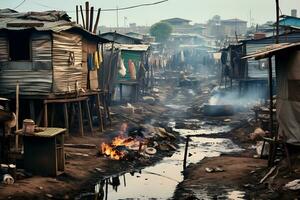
(91, 19)
(45, 114)
(277, 21)
(87, 17)
(99, 112)
(66, 118)
(89, 116)
(82, 17)
(97, 21)
(77, 17)
(17, 114)
(80, 120)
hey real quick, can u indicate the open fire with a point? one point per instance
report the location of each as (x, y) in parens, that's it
(121, 145)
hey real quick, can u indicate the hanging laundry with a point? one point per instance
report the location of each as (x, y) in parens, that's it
(90, 62)
(97, 59)
(132, 69)
(122, 68)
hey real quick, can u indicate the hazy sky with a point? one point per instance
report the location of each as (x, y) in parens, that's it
(198, 11)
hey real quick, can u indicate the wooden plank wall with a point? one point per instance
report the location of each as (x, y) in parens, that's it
(89, 47)
(65, 74)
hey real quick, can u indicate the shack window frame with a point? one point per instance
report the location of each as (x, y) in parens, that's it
(12, 37)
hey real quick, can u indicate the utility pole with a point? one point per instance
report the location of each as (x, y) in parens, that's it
(277, 21)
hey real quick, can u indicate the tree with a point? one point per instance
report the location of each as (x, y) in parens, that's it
(161, 31)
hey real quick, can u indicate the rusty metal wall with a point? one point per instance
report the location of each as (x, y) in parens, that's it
(35, 75)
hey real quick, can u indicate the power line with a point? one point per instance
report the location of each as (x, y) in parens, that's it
(136, 6)
(19, 4)
(104, 10)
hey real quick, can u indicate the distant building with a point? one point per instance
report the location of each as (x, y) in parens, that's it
(120, 38)
(177, 21)
(232, 27)
(183, 26)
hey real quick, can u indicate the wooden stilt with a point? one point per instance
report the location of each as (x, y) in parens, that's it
(80, 119)
(72, 113)
(52, 115)
(89, 115)
(99, 112)
(32, 110)
(17, 115)
(39, 118)
(45, 114)
(66, 118)
(107, 108)
(186, 152)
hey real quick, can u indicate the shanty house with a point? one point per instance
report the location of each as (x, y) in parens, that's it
(288, 88)
(46, 53)
(132, 69)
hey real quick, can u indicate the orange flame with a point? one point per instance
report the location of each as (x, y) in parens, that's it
(120, 140)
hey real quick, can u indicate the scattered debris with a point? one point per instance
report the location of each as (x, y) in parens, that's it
(268, 174)
(216, 169)
(293, 185)
(8, 179)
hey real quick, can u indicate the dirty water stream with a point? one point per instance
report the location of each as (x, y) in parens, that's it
(160, 181)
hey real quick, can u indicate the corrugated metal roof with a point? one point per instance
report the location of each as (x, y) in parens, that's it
(129, 47)
(55, 21)
(271, 50)
(135, 47)
(289, 21)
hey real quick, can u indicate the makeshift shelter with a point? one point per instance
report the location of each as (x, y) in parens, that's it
(132, 68)
(54, 61)
(288, 91)
(46, 53)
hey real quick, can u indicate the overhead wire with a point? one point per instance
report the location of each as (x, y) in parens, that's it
(104, 10)
(19, 4)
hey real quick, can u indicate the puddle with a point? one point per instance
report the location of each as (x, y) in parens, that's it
(177, 107)
(204, 131)
(162, 177)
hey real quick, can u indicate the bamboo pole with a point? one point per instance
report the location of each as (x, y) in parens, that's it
(91, 19)
(87, 17)
(77, 18)
(17, 114)
(97, 21)
(82, 17)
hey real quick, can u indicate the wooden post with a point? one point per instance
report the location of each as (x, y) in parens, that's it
(273, 135)
(32, 110)
(99, 112)
(52, 115)
(17, 115)
(77, 18)
(97, 21)
(186, 152)
(89, 115)
(121, 92)
(66, 118)
(87, 17)
(45, 114)
(82, 17)
(80, 119)
(277, 21)
(91, 19)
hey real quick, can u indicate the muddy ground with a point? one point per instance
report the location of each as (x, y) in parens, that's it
(241, 176)
(84, 167)
(240, 179)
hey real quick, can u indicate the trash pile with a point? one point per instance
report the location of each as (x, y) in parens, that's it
(143, 141)
(8, 173)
